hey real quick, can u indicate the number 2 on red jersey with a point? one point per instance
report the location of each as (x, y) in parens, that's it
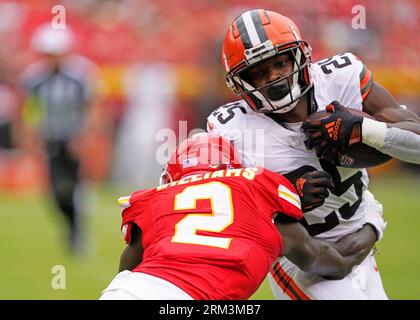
(222, 215)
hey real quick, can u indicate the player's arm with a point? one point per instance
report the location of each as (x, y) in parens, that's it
(395, 130)
(313, 255)
(132, 255)
(360, 241)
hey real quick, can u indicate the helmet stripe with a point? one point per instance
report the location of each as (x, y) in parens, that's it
(243, 32)
(259, 26)
(250, 28)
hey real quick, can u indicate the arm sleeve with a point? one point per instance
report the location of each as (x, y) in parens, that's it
(395, 142)
(33, 106)
(362, 76)
(126, 215)
(366, 82)
(134, 210)
(402, 144)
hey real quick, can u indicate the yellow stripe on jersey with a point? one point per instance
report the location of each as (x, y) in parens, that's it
(124, 202)
(289, 196)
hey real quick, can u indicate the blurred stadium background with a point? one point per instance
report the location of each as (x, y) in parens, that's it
(158, 64)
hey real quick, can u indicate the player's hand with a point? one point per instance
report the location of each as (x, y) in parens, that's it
(312, 188)
(331, 135)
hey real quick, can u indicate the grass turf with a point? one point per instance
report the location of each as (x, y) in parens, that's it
(33, 242)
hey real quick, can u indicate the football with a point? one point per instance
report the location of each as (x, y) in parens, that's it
(358, 155)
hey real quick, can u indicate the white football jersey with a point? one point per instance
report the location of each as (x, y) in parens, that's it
(261, 141)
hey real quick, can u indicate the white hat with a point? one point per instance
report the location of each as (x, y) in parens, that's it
(45, 39)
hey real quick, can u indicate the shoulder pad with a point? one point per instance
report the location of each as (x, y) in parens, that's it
(342, 77)
(343, 64)
(228, 118)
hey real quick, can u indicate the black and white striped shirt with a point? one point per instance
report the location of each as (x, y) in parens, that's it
(62, 96)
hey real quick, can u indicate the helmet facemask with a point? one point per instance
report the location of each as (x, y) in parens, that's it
(165, 177)
(280, 95)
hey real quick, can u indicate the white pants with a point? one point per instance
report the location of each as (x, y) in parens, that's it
(129, 285)
(288, 282)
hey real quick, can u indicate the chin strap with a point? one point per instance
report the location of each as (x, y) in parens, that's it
(296, 90)
(312, 106)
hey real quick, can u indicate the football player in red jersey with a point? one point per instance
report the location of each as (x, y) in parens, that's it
(213, 229)
(269, 65)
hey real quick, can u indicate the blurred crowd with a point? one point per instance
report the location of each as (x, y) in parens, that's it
(157, 62)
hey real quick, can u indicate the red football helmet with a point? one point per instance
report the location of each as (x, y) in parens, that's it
(259, 35)
(201, 153)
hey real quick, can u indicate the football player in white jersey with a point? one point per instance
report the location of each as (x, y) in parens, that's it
(269, 65)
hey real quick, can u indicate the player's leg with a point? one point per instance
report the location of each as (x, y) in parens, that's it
(375, 289)
(70, 194)
(141, 286)
(289, 282)
(117, 294)
(58, 185)
(61, 179)
(277, 290)
(286, 281)
(64, 179)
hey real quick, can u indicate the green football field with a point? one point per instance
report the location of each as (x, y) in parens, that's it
(32, 244)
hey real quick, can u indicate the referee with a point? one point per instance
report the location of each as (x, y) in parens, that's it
(57, 88)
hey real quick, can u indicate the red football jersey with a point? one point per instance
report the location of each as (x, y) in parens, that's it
(212, 234)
